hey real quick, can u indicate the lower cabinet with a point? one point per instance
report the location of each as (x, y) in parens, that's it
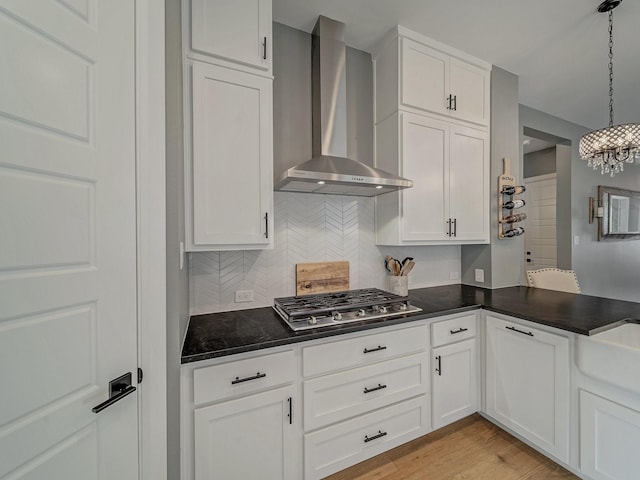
(609, 439)
(335, 448)
(527, 383)
(374, 399)
(250, 437)
(240, 417)
(455, 382)
(454, 369)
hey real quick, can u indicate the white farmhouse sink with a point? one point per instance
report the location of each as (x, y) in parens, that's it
(613, 356)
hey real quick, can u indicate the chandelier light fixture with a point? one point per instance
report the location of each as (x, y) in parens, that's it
(608, 149)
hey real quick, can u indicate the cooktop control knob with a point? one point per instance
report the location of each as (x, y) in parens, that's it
(337, 316)
(383, 309)
(312, 320)
(361, 312)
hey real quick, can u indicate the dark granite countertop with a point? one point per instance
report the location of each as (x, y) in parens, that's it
(227, 333)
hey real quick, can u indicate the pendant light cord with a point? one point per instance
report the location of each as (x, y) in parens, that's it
(611, 68)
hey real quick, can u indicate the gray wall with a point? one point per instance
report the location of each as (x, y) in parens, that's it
(542, 162)
(502, 260)
(177, 280)
(608, 268)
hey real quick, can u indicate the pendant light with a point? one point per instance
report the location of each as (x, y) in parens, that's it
(608, 149)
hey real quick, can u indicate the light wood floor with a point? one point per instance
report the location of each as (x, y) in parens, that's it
(471, 449)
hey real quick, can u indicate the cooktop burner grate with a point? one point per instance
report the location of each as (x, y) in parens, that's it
(306, 305)
(327, 309)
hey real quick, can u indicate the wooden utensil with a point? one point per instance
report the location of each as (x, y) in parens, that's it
(407, 268)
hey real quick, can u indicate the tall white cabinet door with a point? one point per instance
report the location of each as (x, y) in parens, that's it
(232, 177)
(251, 437)
(455, 382)
(425, 77)
(609, 439)
(527, 383)
(470, 87)
(236, 30)
(425, 150)
(469, 183)
(68, 286)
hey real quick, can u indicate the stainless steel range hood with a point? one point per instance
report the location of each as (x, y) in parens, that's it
(329, 171)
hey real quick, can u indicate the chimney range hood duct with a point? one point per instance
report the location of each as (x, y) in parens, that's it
(329, 171)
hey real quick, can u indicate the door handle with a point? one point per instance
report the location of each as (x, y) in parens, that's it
(118, 389)
(377, 349)
(460, 330)
(248, 379)
(266, 225)
(439, 369)
(519, 331)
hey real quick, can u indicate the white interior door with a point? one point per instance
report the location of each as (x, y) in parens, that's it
(67, 238)
(540, 237)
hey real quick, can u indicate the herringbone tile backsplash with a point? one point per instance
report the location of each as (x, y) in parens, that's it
(310, 228)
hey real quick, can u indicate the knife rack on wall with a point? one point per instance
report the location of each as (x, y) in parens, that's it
(509, 206)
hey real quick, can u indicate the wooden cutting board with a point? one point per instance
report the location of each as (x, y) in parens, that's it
(321, 277)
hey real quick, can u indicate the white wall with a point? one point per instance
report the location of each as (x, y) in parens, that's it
(310, 228)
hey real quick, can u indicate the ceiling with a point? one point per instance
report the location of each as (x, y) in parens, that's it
(532, 144)
(558, 48)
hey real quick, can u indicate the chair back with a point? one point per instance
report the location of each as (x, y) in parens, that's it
(554, 279)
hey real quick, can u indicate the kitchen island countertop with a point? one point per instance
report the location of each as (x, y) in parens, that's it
(227, 333)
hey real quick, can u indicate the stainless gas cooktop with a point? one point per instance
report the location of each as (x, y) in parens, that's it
(330, 309)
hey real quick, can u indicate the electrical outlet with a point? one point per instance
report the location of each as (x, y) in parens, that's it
(453, 275)
(479, 275)
(244, 296)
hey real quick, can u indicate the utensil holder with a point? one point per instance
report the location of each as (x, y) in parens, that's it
(399, 285)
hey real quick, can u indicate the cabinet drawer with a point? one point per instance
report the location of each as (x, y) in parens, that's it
(340, 446)
(242, 377)
(453, 330)
(338, 396)
(344, 354)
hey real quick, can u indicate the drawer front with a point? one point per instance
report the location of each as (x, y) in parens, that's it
(338, 396)
(453, 330)
(335, 448)
(242, 377)
(358, 351)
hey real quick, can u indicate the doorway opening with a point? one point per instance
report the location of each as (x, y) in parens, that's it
(542, 153)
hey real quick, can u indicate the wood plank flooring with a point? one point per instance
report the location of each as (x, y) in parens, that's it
(472, 448)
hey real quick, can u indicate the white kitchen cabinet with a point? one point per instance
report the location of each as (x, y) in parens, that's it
(250, 437)
(238, 31)
(609, 439)
(527, 383)
(229, 174)
(339, 446)
(240, 418)
(449, 165)
(363, 395)
(454, 371)
(333, 398)
(418, 74)
(455, 382)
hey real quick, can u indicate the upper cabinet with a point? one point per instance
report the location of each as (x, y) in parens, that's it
(228, 106)
(432, 126)
(417, 74)
(238, 31)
